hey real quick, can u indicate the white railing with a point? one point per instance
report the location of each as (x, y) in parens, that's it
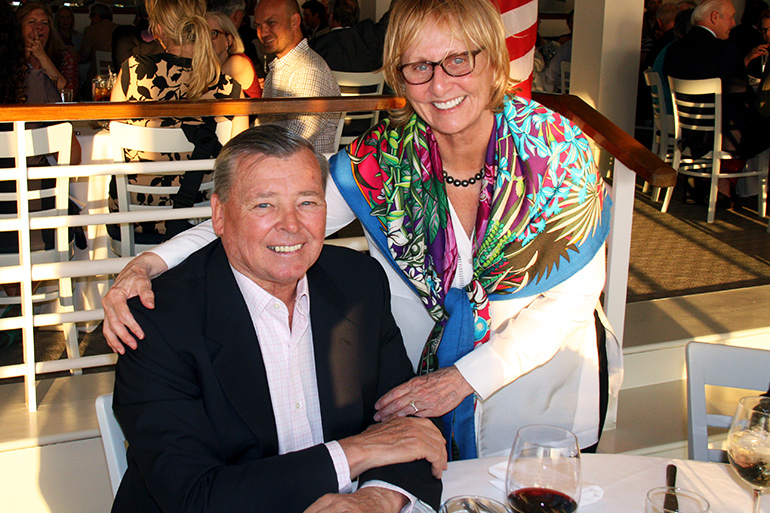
(630, 159)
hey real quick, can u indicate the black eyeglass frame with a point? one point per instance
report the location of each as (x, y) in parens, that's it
(472, 54)
(215, 33)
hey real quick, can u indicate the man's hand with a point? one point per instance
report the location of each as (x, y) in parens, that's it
(133, 280)
(400, 440)
(433, 395)
(365, 500)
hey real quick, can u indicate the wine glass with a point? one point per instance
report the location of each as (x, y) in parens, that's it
(543, 471)
(748, 444)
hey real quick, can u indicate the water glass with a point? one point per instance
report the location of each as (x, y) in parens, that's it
(472, 504)
(687, 501)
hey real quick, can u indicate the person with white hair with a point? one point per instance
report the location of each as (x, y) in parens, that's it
(705, 52)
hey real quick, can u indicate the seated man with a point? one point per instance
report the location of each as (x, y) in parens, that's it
(264, 356)
(350, 45)
(296, 71)
(705, 53)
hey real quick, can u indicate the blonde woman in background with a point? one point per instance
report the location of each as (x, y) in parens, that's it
(188, 69)
(229, 49)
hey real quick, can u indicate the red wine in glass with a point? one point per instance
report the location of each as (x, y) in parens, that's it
(543, 473)
(541, 500)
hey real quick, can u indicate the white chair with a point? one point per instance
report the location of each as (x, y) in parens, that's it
(698, 107)
(721, 366)
(663, 129)
(49, 200)
(357, 84)
(565, 76)
(113, 440)
(103, 63)
(154, 140)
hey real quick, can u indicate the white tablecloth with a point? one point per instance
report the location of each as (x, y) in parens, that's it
(625, 481)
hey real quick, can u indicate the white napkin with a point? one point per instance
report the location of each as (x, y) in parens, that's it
(590, 493)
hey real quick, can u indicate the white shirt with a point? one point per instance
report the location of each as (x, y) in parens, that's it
(287, 352)
(302, 72)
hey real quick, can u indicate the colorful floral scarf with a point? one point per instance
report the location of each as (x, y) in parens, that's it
(543, 214)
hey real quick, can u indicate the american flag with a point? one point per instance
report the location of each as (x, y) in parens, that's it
(520, 20)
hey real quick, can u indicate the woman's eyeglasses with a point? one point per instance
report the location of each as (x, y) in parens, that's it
(215, 34)
(454, 65)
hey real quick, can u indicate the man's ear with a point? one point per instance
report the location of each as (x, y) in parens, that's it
(217, 214)
(237, 18)
(714, 17)
(296, 21)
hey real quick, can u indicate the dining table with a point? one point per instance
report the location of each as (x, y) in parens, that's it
(624, 480)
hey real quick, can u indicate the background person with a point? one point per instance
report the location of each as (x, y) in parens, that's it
(134, 39)
(229, 49)
(188, 69)
(97, 37)
(65, 23)
(23, 84)
(296, 71)
(44, 48)
(237, 11)
(496, 303)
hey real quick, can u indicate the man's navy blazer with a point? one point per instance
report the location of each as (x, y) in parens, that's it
(194, 403)
(700, 55)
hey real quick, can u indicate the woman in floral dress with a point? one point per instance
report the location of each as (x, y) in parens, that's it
(187, 69)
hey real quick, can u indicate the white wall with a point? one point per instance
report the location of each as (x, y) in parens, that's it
(605, 57)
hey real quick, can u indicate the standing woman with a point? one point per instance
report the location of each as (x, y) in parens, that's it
(489, 216)
(229, 49)
(44, 48)
(65, 23)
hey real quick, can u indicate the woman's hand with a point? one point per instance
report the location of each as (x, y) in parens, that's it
(433, 395)
(119, 325)
(755, 52)
(36, 56)
(35, 48)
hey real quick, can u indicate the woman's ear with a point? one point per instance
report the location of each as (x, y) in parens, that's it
(157, 33)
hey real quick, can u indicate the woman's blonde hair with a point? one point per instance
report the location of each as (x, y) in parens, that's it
(182, 22)
(229, 28)
(476, 23)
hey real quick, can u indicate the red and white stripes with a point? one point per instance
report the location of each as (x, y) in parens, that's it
(520, 20)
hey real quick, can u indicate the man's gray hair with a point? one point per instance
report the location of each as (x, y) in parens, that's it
(227, 7)
(705, 9)
(259, 142)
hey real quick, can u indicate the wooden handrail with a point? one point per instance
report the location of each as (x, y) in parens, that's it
(609, 136)
(187, 108)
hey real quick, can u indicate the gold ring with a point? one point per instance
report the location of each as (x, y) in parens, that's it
(416, 409)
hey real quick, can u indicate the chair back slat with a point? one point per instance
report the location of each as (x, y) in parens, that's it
(354, 124)
(153, 140)
(720, 366)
